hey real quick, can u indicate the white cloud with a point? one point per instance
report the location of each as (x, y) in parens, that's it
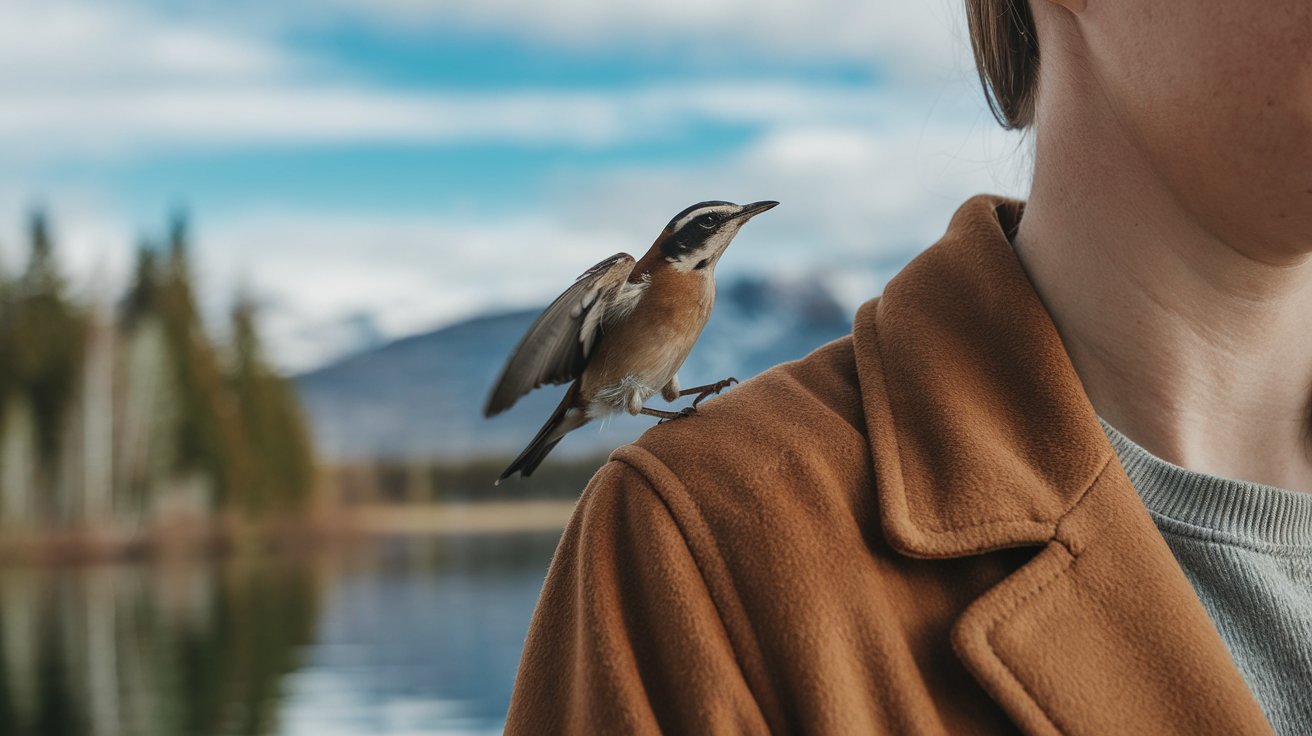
(851, 197)
(78, 45)
(93, 243)
(861, 172)
(57, 124)
(852, 200)
(912, 41)
(909, 41)
(316, 272)
(82, 78)
(85, 41)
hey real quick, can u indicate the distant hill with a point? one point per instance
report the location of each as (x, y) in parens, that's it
(421, 397)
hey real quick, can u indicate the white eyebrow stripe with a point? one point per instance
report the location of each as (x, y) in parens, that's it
(724, 208)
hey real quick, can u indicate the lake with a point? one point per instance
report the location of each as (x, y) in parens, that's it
(395, 635)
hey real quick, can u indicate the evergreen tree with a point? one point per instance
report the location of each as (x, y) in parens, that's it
(42, 274)
(209, 435)
(8, 378)
(143, 294)
(47, 335)
(282, 461)
(240, 428)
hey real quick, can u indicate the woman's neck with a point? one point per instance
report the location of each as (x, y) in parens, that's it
(1196, 346)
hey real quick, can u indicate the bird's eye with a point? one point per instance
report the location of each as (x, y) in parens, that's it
(707, 223)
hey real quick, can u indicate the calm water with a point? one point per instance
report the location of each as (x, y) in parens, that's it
(397, 636)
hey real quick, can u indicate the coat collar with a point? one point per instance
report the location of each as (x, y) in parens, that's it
(983, 438)
(985, 397)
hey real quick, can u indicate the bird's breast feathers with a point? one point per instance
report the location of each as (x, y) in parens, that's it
(643, 347)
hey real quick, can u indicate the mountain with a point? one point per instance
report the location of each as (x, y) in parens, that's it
(422, 396)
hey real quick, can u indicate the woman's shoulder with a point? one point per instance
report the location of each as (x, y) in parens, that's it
(784, 452)
(708, 549)
(802, 411)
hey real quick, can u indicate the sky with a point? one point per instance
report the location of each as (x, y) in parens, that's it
(368, 169)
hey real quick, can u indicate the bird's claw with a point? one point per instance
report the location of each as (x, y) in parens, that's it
(686, 411)
(714, 390)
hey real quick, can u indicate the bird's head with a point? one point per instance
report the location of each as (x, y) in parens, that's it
(697, 236)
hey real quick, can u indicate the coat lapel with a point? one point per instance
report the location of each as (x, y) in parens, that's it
(983, 439)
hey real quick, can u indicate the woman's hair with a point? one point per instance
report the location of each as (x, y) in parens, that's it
(1007, 57)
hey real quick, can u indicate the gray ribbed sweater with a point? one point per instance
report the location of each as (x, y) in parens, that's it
(1247, 549)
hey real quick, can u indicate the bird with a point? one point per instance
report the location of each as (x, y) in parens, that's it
(620, 333)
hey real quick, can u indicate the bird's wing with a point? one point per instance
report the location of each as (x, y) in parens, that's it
(557, 346)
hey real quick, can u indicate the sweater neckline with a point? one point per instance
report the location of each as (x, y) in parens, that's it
(1249, 512)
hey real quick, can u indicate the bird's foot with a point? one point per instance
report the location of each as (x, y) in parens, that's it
(711, 389)
(666, 416)
(686, 411)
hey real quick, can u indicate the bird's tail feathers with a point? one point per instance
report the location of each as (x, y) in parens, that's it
(563, 420)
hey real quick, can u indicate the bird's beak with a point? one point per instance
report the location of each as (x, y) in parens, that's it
(755, 208)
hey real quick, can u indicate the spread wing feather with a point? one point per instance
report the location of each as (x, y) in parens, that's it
(556, 346)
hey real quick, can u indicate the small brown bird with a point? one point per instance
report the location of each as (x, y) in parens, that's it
(621, 332)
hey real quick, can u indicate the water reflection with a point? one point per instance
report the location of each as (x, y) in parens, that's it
(396, 636)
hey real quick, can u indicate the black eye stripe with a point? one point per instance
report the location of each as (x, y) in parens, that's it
(704, 220)
(691, 229)
(699, 206)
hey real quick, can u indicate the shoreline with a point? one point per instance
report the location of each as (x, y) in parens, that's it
(219, 537)
(463, 517)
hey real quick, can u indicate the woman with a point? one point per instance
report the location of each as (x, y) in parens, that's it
(1058, 478)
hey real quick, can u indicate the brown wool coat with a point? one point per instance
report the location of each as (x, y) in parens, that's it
(918, 529)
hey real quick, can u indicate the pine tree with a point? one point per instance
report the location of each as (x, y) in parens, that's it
(184, 416)
(8, 378)
(282, 472)
(47, 335)
(143, 294)
(209, 437)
